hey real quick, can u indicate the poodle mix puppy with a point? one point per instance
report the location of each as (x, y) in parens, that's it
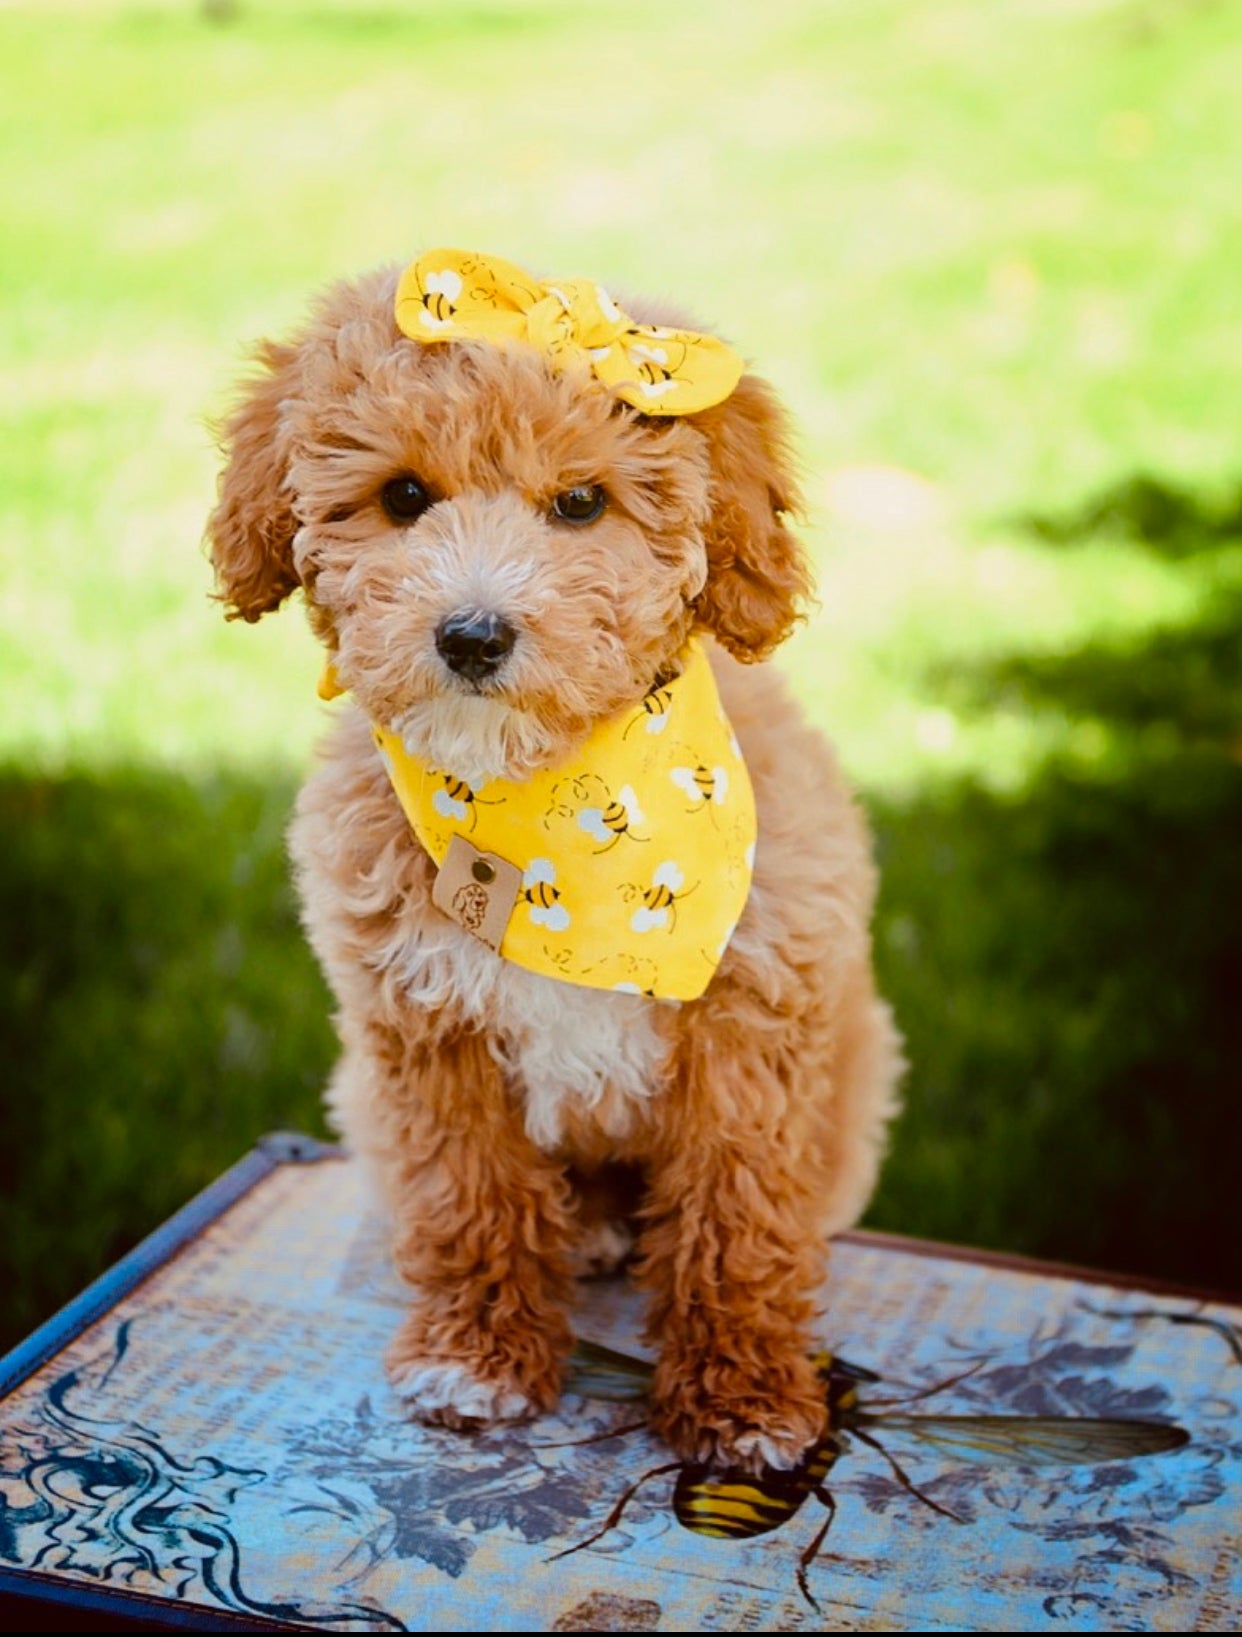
(506, 550)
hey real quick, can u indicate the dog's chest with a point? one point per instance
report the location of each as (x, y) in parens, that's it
(569, 1049)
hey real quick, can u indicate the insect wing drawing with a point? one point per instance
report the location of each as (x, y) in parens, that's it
(736, 1504)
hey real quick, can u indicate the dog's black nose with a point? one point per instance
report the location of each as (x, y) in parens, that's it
(474, 645)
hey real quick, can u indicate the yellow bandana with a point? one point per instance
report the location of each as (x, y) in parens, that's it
(458, 295)
(632, 863)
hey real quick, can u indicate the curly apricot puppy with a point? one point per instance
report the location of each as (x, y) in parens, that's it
(412, 492)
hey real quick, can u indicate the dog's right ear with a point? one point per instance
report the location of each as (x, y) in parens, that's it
(250, 532)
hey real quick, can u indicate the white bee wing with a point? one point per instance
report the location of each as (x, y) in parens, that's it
(657, 724)
(668, 875)
(539, 870)
(446, 283)
(683, 778)
(721, 789)
(629, 801)
(447, 807)
(555, 917)
(645, 920)
(591, 819)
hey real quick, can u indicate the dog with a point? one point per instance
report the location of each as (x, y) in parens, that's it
(510, 535)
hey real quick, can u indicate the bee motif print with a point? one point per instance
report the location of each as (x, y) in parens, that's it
(592, 806)
(456, 800)
(440, 293)
(653, 710)
(608, 824)
(705, 786)
(659, 901)
(652, 366)
(604, 850)
(543, 896)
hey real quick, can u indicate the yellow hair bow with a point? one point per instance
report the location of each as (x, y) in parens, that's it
(458, 295)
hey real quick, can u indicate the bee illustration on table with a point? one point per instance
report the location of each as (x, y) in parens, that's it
(591, 804)
(543, 896)
(659, 900)
(705, 786)
(457, 800)
(653, 710)
(735, 1504)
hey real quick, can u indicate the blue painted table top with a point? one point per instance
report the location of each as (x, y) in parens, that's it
(221, 1438)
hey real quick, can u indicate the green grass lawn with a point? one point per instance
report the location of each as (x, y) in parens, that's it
(989, 255)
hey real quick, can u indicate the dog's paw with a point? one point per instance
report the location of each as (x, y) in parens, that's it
(450, 1395)
(756, 1450)
(452, 1375)
(753, 1418)
(785, 1438)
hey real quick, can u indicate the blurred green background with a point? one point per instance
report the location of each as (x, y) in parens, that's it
(990, 255)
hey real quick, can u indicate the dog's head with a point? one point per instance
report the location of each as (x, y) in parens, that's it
(498, 553)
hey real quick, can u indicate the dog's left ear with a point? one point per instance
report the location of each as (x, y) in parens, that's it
(757, 571)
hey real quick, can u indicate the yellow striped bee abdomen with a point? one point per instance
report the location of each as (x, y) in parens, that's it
(655, 706)
(738, 1505)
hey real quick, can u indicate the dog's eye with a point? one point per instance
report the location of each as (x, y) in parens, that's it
(580, 505)
(404, 499)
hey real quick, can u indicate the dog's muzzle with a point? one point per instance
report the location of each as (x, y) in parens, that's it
(474, 645)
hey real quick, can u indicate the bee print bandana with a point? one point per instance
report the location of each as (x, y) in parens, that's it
(458, 295)
(629, 866)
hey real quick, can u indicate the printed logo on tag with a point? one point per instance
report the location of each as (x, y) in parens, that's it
(477, 890)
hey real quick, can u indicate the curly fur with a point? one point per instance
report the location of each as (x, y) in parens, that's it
(499, 1109)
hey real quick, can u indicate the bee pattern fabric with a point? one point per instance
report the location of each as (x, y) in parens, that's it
(460, 295)
(635, 858)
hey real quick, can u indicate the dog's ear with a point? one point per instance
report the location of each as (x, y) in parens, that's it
(250, 532)
(757, 572)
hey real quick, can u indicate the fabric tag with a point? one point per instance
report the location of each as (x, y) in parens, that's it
(477, 890)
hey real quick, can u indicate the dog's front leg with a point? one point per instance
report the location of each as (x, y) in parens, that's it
(733, 1259)
(483, 1229)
